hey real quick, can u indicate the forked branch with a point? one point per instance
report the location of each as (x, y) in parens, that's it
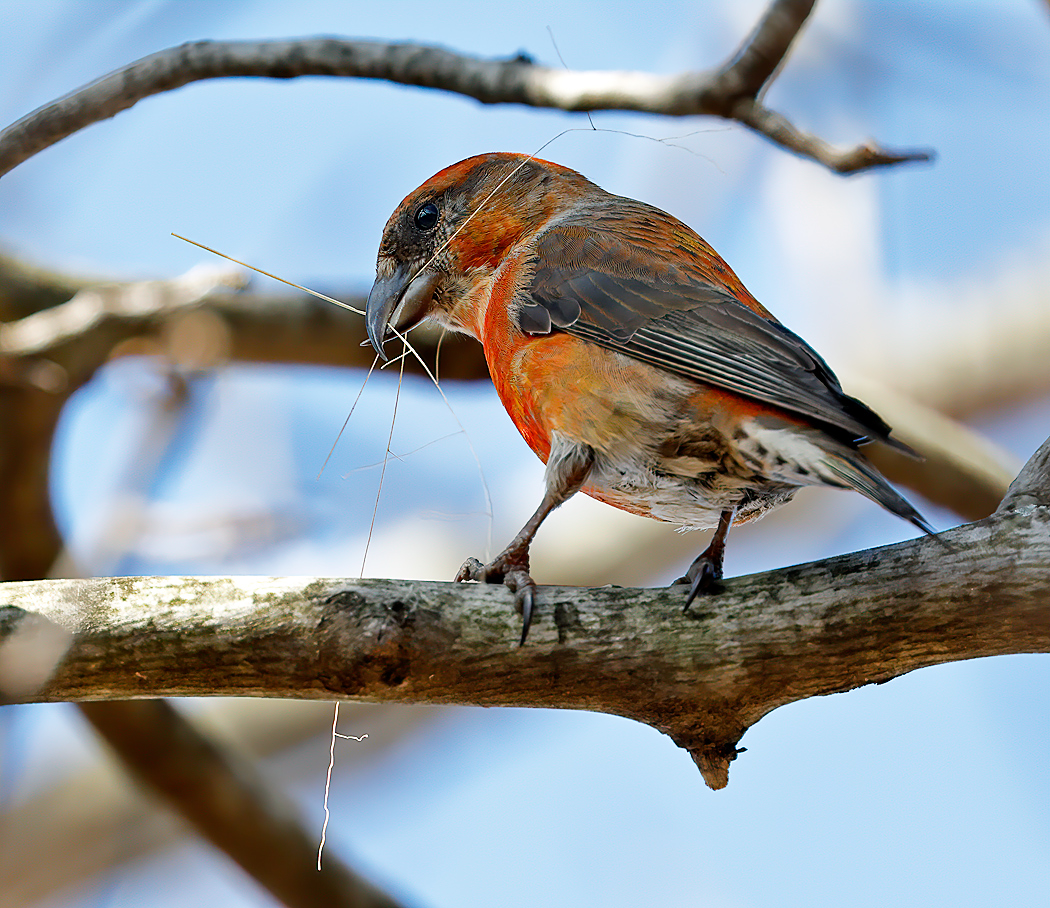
(732, 92)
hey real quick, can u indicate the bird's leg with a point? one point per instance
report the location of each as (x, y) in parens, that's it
(567, 469)
(706, 571)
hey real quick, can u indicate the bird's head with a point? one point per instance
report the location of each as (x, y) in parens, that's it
(453, 232)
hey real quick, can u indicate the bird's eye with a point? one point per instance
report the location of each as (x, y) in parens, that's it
(427, 216)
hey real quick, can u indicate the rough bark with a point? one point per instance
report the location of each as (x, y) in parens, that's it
(702, 677)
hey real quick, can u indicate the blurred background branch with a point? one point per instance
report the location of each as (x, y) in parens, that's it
(230, 803)
(107, 823)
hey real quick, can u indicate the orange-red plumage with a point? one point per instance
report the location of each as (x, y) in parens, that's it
(630, 357)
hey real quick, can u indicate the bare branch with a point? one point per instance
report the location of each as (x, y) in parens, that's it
(703, 677)
(730, 93)
(779, 129)
(763, 53)
(1031, 488)
(741, 82)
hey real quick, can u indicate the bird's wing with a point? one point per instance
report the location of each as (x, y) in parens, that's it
(653, 290)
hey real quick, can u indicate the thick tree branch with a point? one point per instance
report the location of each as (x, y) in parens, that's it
(731, 92)
(703, 677)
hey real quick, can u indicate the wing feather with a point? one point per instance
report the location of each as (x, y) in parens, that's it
(679, 312)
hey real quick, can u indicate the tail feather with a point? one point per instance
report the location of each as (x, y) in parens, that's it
(858, 474)
(799, 456)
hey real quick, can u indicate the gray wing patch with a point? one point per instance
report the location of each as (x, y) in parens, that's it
(705, 334)
(602, 289)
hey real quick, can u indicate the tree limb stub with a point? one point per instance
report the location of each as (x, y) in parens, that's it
(702, 677)
(731, 92)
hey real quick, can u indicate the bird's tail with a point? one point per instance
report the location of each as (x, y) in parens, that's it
(854, 471)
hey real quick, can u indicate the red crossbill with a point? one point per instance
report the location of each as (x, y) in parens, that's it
(630, 357)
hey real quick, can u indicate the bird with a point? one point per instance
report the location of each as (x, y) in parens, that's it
(627, 353)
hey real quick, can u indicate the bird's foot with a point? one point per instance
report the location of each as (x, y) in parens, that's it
(704, 576)
(705, 573)
(511, 568)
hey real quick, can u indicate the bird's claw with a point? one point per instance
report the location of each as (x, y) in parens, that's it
(511, 574)
(524, 588)
(703, 577)
(472, 569)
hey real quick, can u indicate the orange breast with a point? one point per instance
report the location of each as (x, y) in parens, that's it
(519, 377)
